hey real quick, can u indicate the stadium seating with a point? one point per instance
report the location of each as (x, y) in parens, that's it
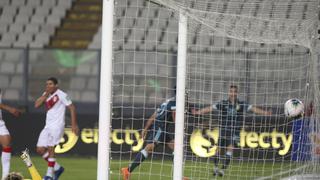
(132, 14)
(34, 17)
(24, 20)
(139, 25)
(71, 33)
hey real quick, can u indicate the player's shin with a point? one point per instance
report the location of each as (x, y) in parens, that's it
(5, 160)
(140, 157)
(216, 160)
(227, 160)
(50, 170)
(45, 156)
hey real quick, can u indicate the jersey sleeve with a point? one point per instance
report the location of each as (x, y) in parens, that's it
(247, 107)
(66, 99)
(162, 109)
(217, 105)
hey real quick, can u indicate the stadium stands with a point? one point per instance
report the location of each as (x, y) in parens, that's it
(25, 22)
(41, 17)
(72, 33)
(139, 25)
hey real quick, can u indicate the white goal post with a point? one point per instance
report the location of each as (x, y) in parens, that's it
(105, 100)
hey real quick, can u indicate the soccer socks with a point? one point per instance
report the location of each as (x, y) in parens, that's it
(140, 157)
(5, 160)
(45, 156)
(227, 160)
(50, 170)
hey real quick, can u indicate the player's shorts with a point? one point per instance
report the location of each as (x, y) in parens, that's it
(159, 134)
(3, 129)
(50, 137)
(227, 138)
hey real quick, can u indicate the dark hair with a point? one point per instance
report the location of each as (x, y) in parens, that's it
(53, 79)
(14, 176)
(233, 86)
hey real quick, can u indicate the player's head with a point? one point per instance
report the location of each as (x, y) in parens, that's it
(14, 176)
(51, 85)
(233, 93)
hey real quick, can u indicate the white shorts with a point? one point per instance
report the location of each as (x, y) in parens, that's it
(3, 129)
(50, 137)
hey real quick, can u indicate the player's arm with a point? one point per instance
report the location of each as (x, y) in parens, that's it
(41, 100)
(15, 112)
(257, 110)
(148, 124)
(202, 111)
(74, 122)
(32, 169)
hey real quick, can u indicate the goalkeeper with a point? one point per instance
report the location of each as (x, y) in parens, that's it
(231, 116)
(158, 129)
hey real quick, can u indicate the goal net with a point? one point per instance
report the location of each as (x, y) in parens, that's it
(263, 48)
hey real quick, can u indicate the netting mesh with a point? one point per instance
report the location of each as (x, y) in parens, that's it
(282, 21)
(264, 80)
(263, 47)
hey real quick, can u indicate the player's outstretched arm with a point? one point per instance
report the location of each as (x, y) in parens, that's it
(15, 112)
(41, 100)
(32, 169)
(202, 111)
(257, 110)
(148, 124)
(74, 122)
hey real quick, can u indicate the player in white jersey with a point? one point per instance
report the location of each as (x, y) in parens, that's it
(56, 102)
(5, 138)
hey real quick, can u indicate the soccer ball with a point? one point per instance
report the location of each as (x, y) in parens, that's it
(293, 108)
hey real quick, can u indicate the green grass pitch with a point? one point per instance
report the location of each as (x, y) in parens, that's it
(76, 168)
(79, 168)
(157, 169)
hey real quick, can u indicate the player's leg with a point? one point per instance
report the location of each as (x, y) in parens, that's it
(139, 158)
(153, 137)
(222, 142)
(5, 141)
(32, 169)
(56, 136)
(58, 169)
(51, 162)
(47, 139)
(231, 142)
(228, 156)
(216, 159)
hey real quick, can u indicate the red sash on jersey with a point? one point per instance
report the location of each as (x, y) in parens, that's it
(51, 102)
